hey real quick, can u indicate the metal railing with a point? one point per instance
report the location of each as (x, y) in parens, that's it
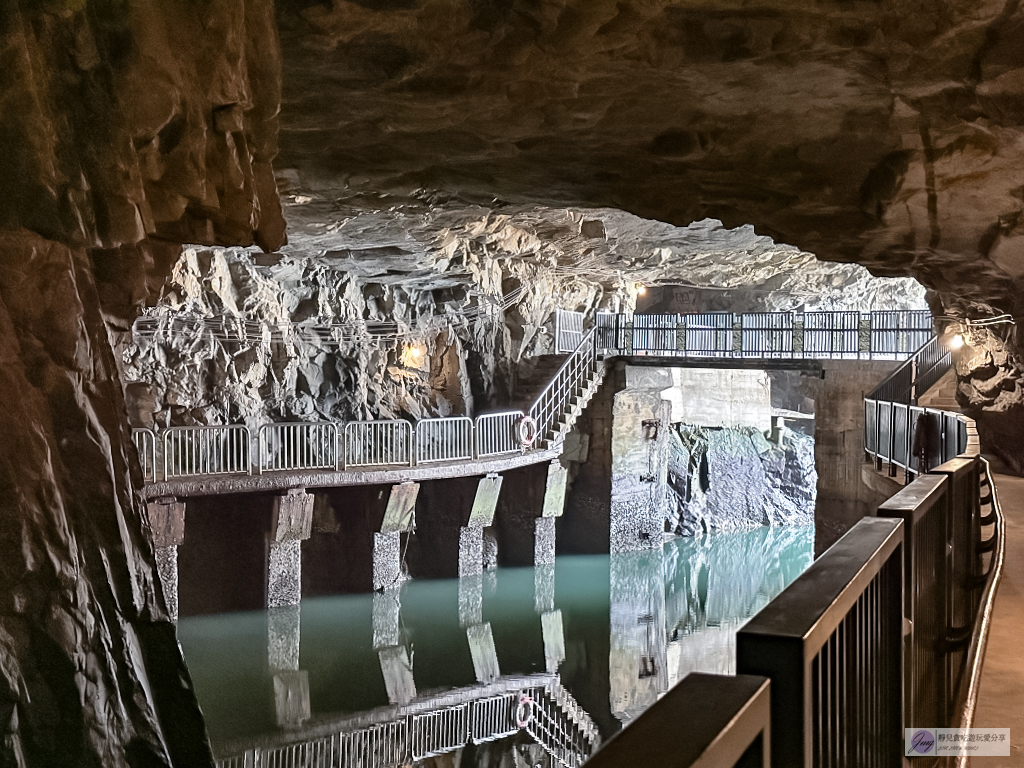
(916, 376)
(577, 373)
(727, 721)
(767, 335)
(145, 444)
(568, 331)
(910, 437)
(298, 446)
(378, 443)
(496, 433)
(447, 439)
(218, 450)
(831, 644)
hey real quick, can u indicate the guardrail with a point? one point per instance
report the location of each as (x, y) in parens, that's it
(496, 433)
(298, 446)
(213, 450)
(447, 439)
(570, 381)
(378, 443)
(767, 335)
(911, 437)
(727, 722)
(831, 643)
(145, 444)
(568, 331)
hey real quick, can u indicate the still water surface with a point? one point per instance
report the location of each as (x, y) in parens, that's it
(446, 672)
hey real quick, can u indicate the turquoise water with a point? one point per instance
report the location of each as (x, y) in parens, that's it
(604, 635)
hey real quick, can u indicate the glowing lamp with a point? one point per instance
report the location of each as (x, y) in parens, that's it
(956, 341)
(641, 290)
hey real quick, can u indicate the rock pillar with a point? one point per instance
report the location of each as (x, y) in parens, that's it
(399, 518)
(167, 524)
(291, 524)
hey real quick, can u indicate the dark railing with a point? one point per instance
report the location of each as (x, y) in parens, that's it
(831, 643)
(727, 722)
(811, 335)
(917, 375)
(910, 437)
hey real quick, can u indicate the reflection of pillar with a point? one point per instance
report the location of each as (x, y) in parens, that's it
(485, 657)
(550, 619)
(291, 523)
(638, 662)
(471, 544)
(395, 664)
(167, 523)
(471, 600)
(399, 518)
(291, 684)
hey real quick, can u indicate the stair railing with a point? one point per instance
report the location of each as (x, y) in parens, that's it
(569, 381)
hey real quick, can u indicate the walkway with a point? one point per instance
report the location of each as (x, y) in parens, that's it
(1001, 696)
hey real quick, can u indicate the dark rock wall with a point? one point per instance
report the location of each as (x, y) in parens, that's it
(126, 127)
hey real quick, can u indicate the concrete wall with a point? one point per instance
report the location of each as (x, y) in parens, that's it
(716, 398)
(843, 498)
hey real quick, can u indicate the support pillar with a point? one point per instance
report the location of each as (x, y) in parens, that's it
(167, 524)
(291, 684)
(550, 619)
(399, 518)
(471, 536)
(291, 524)
(526, 521)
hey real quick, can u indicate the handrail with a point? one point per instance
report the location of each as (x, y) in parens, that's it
(298, 445)
(567, 382)
(922, 369)
(444, 439)
(967, 696)
(145, 443)
(206, 450)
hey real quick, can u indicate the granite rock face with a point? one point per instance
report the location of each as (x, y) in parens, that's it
(880, 133)
(731, 479)
(126, 129)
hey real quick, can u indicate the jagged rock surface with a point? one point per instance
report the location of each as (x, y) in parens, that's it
(731, 479)
(126, 129)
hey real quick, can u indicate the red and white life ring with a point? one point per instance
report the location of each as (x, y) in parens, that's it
(524, 711)
(526, 431)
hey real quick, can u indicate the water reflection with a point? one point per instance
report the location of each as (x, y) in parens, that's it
(508, 668)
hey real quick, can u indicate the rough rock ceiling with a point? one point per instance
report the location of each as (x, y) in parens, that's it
(884, 133)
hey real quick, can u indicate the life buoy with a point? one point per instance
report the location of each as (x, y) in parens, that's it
(524, 711)
(526, 430)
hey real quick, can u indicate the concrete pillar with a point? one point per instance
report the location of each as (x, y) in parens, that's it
(167, 524)
(544, 541)
(291, 684)
(471, 544)
(528, 510)
(641, 420)
(291, 524)
(399, 518)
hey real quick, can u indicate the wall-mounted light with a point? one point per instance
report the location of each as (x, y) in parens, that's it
(413, 355)
(956, 341)
(641, 290)
(971, 332)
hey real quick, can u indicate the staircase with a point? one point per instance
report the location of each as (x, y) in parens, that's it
(532, 376)
(942, 394)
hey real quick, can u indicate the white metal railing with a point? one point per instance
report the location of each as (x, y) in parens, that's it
(435, 733)
(447, 439)
(295, 446)
(571, 380)
(378, 443)
(812, 335)
(145, 444)
(496, 433)
(219, 450)
(568, 331)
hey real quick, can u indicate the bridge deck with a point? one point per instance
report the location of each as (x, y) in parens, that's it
(214, 485)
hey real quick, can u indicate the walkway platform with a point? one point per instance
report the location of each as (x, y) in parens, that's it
(214, 485)
(1001, 694)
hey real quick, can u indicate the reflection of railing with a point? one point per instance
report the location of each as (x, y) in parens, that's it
(447, 439)
(145, 444)
(570, 737)
(218, 450)
(298, 446)
(766, 335)
(831, 645)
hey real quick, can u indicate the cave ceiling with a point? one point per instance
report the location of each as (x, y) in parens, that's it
(884, 133)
